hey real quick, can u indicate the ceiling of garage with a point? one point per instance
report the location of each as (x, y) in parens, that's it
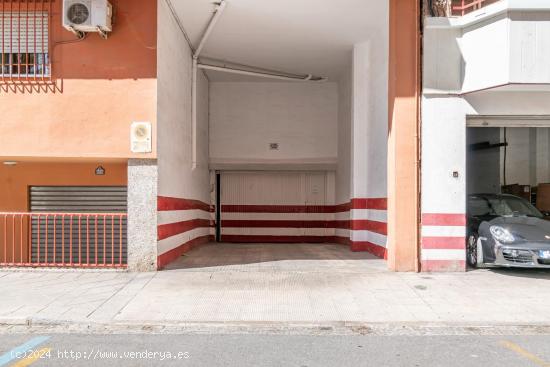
(295, 36)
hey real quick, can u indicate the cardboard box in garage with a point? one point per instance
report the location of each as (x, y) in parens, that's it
(523, 191)
(543, 197)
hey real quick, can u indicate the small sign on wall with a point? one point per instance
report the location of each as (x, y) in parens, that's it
(140, 137)
(100, 171)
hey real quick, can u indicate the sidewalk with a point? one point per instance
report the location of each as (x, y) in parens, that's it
(324, 292)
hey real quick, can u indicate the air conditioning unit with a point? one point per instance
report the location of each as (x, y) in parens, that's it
(87, 16)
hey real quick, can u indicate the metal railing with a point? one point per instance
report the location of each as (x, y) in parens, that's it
(80, 240)
(463, 7)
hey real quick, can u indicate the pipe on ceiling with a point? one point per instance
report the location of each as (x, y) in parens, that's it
(226, 69)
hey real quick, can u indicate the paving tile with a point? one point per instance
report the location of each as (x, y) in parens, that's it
(282, 282)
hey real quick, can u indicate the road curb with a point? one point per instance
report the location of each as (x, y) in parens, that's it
(275, 328)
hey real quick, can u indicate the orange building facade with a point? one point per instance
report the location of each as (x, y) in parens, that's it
(71, 130)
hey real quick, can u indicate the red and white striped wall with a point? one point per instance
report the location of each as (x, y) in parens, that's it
(182, 225)
(367, 230)
(361, 224)
(369, 225)
(443, 242)
(279, 223)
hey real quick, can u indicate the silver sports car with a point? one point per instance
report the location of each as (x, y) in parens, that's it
(506, 230)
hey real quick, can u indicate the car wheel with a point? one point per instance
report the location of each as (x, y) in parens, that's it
(471, 250)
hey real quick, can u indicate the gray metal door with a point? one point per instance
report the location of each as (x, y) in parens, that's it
(79, 239)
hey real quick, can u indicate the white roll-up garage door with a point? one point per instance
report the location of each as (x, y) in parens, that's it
(275, 206)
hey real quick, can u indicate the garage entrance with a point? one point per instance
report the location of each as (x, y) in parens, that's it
(276, 207)
(510, 155)
(508, 158)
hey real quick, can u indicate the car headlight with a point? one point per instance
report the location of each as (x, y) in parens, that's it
(501, 234)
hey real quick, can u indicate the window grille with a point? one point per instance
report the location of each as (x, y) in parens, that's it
(25, 40)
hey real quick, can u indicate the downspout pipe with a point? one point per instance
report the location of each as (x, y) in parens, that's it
(308, 77)
(221, 6)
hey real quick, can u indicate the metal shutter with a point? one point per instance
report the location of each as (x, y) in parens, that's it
(78, 199)
(78, 235)
(24, 32)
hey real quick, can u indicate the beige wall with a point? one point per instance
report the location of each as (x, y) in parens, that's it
(91, 118)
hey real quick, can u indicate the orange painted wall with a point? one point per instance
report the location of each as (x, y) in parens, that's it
(15, 180)
(98, 88)
(403, 141)
(14, 188)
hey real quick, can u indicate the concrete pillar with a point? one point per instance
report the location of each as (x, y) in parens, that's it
(403, 146)
(361, 119)
(369, 123)
(142, 214)
(369, 144)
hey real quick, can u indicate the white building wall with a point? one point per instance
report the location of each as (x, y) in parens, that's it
(485, 53)
(343, 170)
(529, 52)
(245, 117)
(343, 167)
(370, 121)
(443, 153)
(369, 132)
(443, 59)
(504, 44)
(184, 191)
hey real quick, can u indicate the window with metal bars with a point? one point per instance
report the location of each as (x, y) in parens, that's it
(24, 26)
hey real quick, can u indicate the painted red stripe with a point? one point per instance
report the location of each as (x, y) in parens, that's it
(374, 249)
(340, 224)
(275, 239)
(356, 224)
(172, 229)
(344, 224)
(369, 225)
(169, 203)
(365, 203)
(173, 254)
(279, 208)
(435, 219)
(341, 208)
(370, 203)
(444, 243)
(443, 265)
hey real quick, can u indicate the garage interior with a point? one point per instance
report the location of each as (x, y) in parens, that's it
(271, 144)
(510, 157)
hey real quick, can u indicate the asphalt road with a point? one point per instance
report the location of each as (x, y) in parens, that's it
(272, 350)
